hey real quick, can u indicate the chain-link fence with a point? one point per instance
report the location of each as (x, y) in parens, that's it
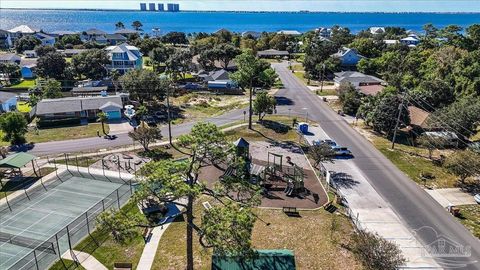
(41, 254)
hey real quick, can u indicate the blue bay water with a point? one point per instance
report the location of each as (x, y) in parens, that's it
(79, 20)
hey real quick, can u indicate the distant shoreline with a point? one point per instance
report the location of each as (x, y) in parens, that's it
(236, 11)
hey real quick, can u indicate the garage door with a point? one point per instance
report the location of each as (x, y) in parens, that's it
(114, 115)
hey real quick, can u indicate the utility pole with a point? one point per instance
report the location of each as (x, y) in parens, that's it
(400, 108)
(321, 77)
(250, 109)
(169, 118)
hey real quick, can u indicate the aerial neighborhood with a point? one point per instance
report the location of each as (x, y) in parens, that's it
(139, 149)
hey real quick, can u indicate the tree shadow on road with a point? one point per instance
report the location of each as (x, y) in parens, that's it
(344, 180)
(283, 101)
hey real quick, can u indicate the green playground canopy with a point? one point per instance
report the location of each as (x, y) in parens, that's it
(17, 160)
(266, 260)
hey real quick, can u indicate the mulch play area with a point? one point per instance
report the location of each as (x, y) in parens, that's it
(311, 195)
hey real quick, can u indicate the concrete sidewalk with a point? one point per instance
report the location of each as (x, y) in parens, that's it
(86, 260)
(150, 249)
(451, 196)
(369, 211)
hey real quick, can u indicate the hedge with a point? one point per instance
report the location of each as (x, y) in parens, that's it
(43, 123)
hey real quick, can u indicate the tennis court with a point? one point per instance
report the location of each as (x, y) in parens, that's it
(39, 230)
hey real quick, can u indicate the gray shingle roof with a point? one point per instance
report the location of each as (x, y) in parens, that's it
(356, 77)
(74, 104)
(11, 57)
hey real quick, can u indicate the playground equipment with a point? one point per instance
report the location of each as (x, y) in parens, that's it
(275, 173)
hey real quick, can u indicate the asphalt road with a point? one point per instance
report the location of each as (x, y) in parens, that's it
(96, 143)
(414, 206)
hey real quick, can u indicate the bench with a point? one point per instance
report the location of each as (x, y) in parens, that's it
(122, 266)
(290, 211)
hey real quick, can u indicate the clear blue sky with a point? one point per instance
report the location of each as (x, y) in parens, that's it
(266, 5)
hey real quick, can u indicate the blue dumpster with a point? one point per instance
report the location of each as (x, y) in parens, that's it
(303, 128)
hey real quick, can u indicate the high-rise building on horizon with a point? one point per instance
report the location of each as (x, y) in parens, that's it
(172, 7)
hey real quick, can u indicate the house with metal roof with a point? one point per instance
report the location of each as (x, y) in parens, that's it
(78, 107)
(356, 79)
(289, 32)
(124, 57)
(348, 57)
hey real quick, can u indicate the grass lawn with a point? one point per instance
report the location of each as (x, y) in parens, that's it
(195, 106)
(82, 161)
(413, 165)
(327, 92)
(314, 243)
(470, 217)
(108, 251)
(23, 107)
(476, 137)
(282, 131)
(24, 84)
(65, 133)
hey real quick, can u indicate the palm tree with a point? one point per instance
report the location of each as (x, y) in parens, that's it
(137, 25)
(102, 118)
(119, 25)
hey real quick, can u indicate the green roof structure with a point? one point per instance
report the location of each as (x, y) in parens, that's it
(266, 260)
(17, 160)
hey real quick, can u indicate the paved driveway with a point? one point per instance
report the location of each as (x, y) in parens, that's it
(120, 127)
(451, 196)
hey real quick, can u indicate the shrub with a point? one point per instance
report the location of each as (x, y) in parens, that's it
(46, 123)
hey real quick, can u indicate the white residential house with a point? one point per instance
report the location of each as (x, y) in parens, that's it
(289, 32)
(22, 30)
(348, 57)
(376, 30)
(30, 54)
(124, 57)
(410, 41)
(324, 32)
(390, 42)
